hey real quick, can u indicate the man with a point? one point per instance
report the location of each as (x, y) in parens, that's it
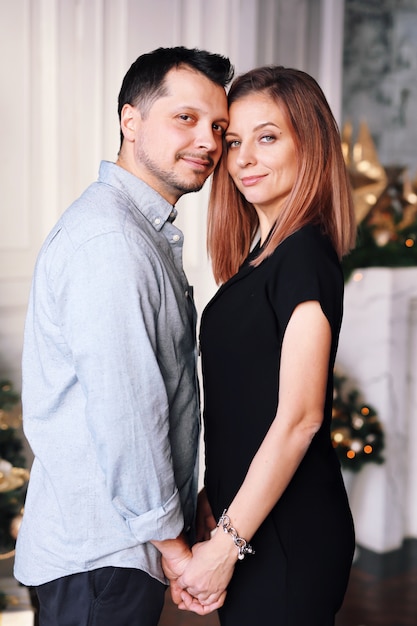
(110, 396)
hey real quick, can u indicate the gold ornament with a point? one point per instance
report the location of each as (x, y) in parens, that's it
(15, 525)
(12, 418)
(383, 196)
(12, 478)
(367, 176)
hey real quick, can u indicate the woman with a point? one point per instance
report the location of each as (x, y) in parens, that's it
(268, 343)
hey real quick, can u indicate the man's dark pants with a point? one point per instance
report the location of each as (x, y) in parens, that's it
(109, 596)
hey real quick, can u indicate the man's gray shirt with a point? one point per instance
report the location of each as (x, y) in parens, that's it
(110, 392)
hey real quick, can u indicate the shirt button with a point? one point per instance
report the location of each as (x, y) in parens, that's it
(186, 293)
(176, 238)
(157, 221)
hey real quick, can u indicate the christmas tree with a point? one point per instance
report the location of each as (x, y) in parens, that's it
(357, 434)
(13, 476)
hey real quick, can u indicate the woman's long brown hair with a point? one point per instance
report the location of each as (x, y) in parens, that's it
(321, 193)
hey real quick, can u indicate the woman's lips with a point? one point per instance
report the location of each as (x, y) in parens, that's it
(249, 181)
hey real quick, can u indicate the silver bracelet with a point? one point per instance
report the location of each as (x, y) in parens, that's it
(242, 545)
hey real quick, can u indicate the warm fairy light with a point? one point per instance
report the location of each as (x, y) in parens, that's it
(409, 242)
(357, 276)
(357, 422)
(350, 454)
(357, 153)
(338, 437)
(382, 237)
(365, 410)
(363, 166)
(356, 445)
(412, 198)
(368, 449)
(370, 198)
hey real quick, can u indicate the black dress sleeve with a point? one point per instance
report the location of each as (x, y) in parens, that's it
(306, 268)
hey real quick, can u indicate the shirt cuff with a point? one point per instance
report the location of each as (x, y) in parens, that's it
(164, 522)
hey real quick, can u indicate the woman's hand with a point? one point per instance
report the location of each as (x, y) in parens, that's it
(208, 573)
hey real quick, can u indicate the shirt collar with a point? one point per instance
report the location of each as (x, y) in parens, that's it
(149, 202)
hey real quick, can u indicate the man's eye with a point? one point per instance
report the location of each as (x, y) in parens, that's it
(185, 117)
(218, 129)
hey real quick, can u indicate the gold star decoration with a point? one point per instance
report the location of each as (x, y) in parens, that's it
(367, 176)
(385, 200)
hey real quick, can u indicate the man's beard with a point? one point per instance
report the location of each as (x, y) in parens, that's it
(171, 180)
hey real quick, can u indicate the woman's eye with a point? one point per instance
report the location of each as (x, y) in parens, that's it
(267, 138)
(233, 144)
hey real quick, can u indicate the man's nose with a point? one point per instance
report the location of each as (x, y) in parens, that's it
(206, 138)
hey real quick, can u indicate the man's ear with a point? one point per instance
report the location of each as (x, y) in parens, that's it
(129, 120)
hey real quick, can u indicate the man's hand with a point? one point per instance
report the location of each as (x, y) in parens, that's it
(173, 568)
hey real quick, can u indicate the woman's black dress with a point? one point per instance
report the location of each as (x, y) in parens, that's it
(304, 549)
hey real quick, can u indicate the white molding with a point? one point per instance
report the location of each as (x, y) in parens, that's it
(45, 72)
(291, 40)
(15, 150)
(331, 53)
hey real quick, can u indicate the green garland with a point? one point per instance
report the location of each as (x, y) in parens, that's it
(398, 252)
(357, 433)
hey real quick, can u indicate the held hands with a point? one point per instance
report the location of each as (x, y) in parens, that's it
(194, 598)
(199, 579)
(207, 574)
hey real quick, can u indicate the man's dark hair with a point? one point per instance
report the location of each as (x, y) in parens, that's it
(144, 82)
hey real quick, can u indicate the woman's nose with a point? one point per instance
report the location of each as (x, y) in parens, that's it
(245, 156)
